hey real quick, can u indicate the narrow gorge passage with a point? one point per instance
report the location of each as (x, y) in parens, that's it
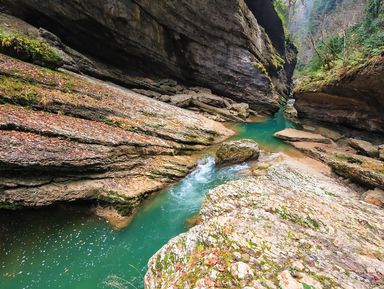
(191, 144)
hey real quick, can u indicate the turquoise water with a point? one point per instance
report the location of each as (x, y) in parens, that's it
(66, 247)
(263, 132)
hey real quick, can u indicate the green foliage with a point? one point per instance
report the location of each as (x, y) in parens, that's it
(321, 8)
(282, 11)
(374, 8)
(27, 49)
(352, 49)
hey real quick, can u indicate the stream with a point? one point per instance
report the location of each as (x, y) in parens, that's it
(68, 247)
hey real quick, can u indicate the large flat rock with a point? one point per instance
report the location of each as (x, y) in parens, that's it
(290, 228)
(295, 135)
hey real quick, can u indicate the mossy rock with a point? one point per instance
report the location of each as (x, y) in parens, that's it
(29, 50)
(237, 152)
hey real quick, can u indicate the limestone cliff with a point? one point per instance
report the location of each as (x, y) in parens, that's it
(227, 46)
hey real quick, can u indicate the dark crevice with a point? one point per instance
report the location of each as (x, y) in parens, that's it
(267, 17)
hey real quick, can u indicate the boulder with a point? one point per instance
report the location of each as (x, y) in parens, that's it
(213, 100)
(242, 109)
(181, 100)
(330, 133)
(237, 151)
(291, 102)
(309, 128)
(290, 110)
(295, 135)
(165, 98)
(374, 197)
(364, 147)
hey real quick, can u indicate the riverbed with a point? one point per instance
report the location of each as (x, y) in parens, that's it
(68, 247)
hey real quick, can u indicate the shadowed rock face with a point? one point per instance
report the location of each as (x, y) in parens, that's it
(215, 44)
(270, 21)
(355, 100)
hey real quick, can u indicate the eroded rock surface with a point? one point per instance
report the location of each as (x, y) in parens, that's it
(374, 197)
(224, 46)
(356, 99)
(364, 147)
(65, 137)
(345, 162)
(237, 151)
(291, 228)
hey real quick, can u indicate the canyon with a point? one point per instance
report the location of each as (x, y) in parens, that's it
(69, 137)
(179, 124)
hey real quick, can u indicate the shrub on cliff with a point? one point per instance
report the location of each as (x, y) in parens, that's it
(30, 50)
(350, 50)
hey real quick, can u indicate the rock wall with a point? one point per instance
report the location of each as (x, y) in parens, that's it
(356, 99)
(220, 45)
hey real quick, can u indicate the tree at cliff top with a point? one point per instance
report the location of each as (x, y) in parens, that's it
(350, 46)
(313, 21)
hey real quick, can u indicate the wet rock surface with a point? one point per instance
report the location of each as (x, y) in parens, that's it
(289, 228)
(232, 152)
(66, 137)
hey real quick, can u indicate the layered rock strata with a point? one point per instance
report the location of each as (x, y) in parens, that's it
(354, 159)
(355, 99)
(65, 137)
